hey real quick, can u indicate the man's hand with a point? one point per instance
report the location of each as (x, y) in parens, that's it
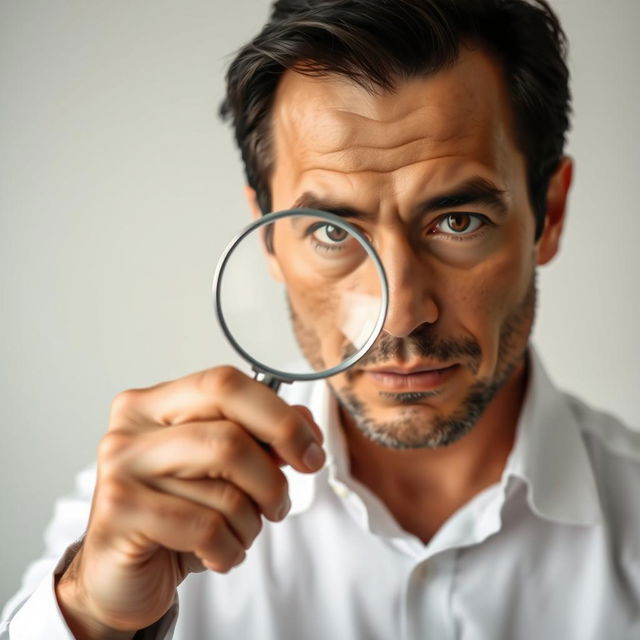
(185, 472)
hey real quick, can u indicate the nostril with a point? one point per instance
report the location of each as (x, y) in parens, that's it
(406, 314)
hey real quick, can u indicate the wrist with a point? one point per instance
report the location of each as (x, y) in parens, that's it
(75, 610)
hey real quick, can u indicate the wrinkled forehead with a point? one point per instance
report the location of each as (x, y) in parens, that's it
(331, 118)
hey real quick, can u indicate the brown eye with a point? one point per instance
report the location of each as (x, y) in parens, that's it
(459, 222)
(330, 234)
(335, 233)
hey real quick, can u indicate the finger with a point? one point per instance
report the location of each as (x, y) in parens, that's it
(225, 393)
(306, 413)
(182, 525)
(285, 430)
(240, 512)
(308, 416)
(205, 450)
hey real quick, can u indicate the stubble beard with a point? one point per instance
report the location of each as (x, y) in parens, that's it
(409, 430)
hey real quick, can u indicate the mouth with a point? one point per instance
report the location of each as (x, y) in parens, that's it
(418, 378)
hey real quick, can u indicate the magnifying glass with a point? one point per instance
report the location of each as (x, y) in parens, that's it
(300, 295)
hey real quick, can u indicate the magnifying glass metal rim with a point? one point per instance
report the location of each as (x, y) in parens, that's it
(260, 367)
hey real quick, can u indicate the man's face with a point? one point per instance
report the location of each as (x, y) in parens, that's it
(431, 173)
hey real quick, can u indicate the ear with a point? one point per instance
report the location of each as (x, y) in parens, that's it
(557, 193)
(252, 200)
(256, 212)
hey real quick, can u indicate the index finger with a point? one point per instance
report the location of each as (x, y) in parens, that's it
(224, 393)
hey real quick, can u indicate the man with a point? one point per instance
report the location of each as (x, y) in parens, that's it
(440, 488)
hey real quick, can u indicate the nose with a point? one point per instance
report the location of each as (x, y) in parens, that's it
(411, 293)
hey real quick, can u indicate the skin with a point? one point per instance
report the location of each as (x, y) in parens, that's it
(466, 301)
(182, 486)
(183, 481)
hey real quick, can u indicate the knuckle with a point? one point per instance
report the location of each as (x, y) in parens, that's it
(289, 428)
(208, 526)
(229, 444)
(233, 500)
(124, 403)
(171, 514)
(111, 448)
(112, 499)
(222, 380)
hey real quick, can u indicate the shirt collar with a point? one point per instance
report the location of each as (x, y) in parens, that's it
(549, 454)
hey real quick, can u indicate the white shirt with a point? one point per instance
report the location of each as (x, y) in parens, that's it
(550, 552)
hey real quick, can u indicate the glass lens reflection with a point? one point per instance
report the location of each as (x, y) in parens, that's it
(300, 294)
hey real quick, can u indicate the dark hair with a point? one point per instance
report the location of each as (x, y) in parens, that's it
(377, 42)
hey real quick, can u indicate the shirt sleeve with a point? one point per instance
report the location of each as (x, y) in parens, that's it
(33, 613)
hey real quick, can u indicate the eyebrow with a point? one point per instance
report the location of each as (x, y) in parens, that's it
(309, 200)
(477, 190)
(473, 191)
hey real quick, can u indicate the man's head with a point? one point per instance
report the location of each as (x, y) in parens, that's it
(377, 43)
(437, 127)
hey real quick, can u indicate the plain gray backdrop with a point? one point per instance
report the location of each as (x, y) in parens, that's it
(119, 188)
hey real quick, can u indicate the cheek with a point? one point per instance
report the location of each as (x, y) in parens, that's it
(336, 300)
(490, 292)
(315, 306)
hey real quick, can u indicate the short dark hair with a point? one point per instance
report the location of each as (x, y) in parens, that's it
(377, 42)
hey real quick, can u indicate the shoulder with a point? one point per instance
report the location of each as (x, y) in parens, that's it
(614, 452)
(607, 438)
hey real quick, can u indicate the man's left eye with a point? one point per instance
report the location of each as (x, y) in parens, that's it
(459, 224)
(329, 234)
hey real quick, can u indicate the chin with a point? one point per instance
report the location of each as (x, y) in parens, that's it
(414, 428)
(419, 419)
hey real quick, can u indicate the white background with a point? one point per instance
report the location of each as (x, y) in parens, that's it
(119, 188)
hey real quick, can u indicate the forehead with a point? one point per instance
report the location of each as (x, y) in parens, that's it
(329, 123)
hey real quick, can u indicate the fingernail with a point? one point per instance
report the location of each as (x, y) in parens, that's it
(313, 457)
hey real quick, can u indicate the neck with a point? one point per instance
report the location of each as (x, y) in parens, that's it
(423, 487)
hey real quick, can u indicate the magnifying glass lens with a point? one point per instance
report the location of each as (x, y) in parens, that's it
(301, 295)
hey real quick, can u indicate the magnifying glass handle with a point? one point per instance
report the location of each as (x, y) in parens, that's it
(273, 382)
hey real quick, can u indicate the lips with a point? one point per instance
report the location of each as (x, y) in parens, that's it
(418, 378)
